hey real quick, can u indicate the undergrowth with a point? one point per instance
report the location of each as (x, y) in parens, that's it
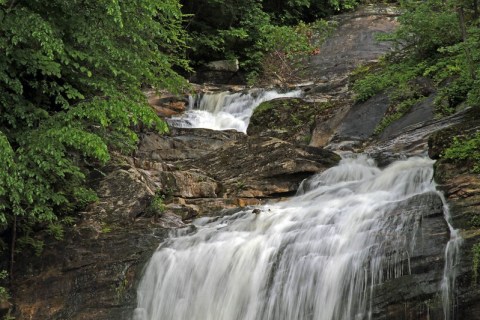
(465, 148)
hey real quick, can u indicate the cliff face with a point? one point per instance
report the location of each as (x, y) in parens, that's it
(462, 191)
(94, 272)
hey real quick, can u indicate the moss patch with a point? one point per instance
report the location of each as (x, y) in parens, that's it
(290, 119)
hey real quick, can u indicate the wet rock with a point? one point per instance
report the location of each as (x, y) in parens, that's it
(186, 184)
(362, 119)
(182, 144)
(413, 140)
(223, 65)
(353, 42)
(124, 193)
(462, 190)
(220, 72)
(264, 166)
(462, 123)
(85, 277)
(414, 295)
(326, 123)
(92, 273)
(289, 119)
(419, 113)
(166, 105)
(187, 212)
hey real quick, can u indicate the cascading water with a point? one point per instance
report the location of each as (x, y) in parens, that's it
(316, 256)
(451, 258)
(225, 110)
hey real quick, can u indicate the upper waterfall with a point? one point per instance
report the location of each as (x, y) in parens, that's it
(316, 256)
(225, 110)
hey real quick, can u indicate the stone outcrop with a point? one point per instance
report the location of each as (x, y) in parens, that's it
(183, 144)
(264, 167)
(353, 42)
(411, 140)
(287, 119)
(219, 72)
(223, 65)
(461, 187)
(361, 120)
(93, 272)
(415, 294)
(89, 275)
(165, 104)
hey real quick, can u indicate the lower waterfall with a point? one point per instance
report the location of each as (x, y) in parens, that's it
(316, 256)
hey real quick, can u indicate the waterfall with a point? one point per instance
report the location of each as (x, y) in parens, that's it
(452, 252)
(316, 256)
(225, 110)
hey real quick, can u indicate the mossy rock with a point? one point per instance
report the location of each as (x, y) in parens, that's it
(443, 139)
(289, 119)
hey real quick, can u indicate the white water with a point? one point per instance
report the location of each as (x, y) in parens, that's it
(225, 110)
(316, 256)
(452, 252)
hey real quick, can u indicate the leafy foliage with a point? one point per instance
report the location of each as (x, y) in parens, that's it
(291, 12)
(425, 27)
(157, 206)
(70, 82)
(3, 291)
(437, 41)
(285, 48)
(251, 30)
(465, 148)
(387, 75)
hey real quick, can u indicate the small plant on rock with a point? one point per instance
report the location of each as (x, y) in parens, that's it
(157, 206)
(465, 149)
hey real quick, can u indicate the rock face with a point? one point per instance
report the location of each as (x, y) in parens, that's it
(183, 144)
(414, 295)
(462, 190)
(412, 140)
(166, 105)
(89, 275)
(361, 120)
(287, 119)
(219, 72)
(223, 65)
(93, 273)
(264, 167)
(353, 42)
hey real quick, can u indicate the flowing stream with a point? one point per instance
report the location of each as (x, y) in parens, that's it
(225, 110)
(316, 256)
